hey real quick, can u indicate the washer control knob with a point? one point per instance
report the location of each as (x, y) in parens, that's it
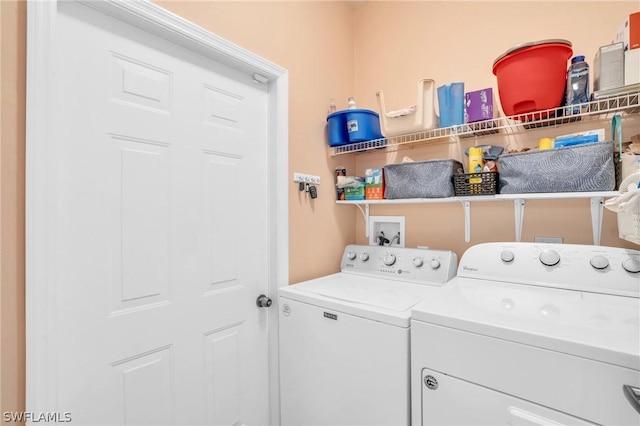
(507, 256)
(599, 262)
(364, 257)
(435, 263)
(418, 262)
(389, 259)
(632, 264)
(549, 257)
(351, 255)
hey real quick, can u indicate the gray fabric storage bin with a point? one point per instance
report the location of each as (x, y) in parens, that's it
(580, 168)
(420, 179)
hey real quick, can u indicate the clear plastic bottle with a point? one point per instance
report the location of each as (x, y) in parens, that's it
(352, 103)
(332, 106)
(577, 84)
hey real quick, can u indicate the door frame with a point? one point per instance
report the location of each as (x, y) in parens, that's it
(41, 360)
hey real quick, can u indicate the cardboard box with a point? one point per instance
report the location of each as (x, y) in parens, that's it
(478, 105)
(608, 67)
(340, 171)
(451, 104)
(631, 67)
(374, 184)
(354, 192)
(629, 32)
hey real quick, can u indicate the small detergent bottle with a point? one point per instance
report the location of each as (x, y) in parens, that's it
(545, 143)
(475, 159)
(352, 103)
(577, 84)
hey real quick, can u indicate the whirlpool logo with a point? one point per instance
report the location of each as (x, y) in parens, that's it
(470, 268)
(431, 382)
(286, 310)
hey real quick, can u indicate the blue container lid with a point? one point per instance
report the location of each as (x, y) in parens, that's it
(579, 58)
(351, 111)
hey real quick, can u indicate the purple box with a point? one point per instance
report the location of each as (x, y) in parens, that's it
(478, 105)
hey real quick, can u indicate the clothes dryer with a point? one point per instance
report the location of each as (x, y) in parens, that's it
(544, 334)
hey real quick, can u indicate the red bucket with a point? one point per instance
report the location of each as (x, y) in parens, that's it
(532, 76)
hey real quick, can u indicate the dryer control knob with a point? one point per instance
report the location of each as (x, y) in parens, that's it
(389, 259)
(418, 262)
(364, 257)
(435, 263)
(351, 255)
(549, 257)
(632, 264)
(507, 256)
(599, 262)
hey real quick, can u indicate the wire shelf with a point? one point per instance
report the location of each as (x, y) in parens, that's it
(600, 109)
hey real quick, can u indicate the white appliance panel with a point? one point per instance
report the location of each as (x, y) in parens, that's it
(375, 298)
(596, 269)
(339, 366)
(415, 265)
(592, 325)
(482, 406)
(570, 384)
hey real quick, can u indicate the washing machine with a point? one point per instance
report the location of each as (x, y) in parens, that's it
(531, 334)
(344, 338)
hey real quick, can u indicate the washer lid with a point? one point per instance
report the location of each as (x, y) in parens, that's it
(379, 299)
(596, 326)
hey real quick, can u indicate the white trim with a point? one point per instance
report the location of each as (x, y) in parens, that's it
(148, 16)
(40, 220)
(279, 229)
(40, 244)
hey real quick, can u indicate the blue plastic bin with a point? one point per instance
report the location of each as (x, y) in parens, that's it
(337, 124)
(451, 104)
(353, 125)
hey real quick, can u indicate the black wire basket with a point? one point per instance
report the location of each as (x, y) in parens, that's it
(485, 183)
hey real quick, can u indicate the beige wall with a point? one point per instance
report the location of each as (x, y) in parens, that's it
(333, 49)
(12, 131)
(397, 43)
(314, 42)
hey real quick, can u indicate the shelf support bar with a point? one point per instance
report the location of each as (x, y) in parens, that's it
(519, 212)
(365, 215)
(466, 205)
(597, 203)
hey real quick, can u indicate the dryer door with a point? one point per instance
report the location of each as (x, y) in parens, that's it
(450, 401)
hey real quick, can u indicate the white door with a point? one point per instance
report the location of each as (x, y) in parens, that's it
(161, 233)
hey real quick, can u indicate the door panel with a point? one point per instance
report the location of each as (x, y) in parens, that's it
(223, 376)
(162, 157)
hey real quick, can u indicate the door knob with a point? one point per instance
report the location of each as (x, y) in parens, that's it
(263, 301)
